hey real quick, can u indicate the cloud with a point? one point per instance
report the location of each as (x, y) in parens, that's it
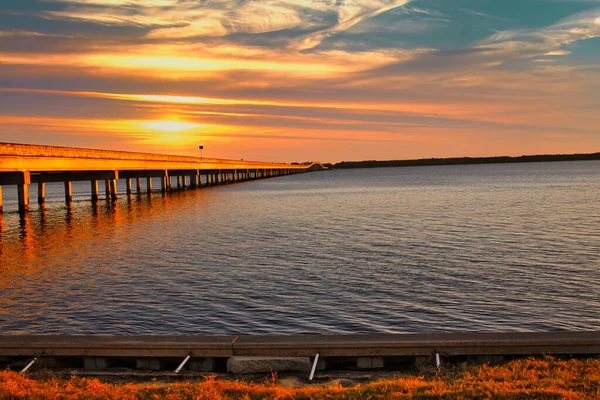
(172, 19)
(527, 43)
(349, 13)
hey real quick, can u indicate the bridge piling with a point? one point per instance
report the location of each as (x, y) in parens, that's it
(23, 195)
(129, 186)
(94, 185)
(0, 199)
(113, 189)
(149, 184)
(41, 193)
(24, 179)
(68, 192)
(197, 180)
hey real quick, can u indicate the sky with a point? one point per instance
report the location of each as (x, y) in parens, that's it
(302, 80)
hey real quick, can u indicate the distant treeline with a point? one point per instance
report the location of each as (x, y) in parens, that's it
(466, 160)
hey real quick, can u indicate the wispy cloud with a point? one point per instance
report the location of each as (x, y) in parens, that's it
(527, 43)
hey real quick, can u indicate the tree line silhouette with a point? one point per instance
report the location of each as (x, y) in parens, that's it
(465, 160)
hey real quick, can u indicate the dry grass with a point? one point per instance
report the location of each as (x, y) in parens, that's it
(523, 379)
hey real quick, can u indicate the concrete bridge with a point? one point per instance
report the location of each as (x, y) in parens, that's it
(22, 165)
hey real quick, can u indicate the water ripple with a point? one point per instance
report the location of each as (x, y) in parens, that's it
(461, 248)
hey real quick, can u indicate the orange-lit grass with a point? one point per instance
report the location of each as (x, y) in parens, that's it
(523, 379)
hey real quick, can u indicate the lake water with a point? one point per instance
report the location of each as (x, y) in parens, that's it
(451, 248)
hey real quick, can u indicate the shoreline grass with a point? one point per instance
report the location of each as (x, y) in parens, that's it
(547, 378)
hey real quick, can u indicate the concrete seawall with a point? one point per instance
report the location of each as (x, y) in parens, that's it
(360, 351)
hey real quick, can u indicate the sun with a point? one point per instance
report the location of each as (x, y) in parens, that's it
(169, 126)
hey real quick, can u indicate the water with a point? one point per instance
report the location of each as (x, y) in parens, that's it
(452, 248)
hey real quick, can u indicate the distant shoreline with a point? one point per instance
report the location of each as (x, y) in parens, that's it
(464, 161)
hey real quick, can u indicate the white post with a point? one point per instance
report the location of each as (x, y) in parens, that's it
(314, 367)
(30, 364)
(183, 363)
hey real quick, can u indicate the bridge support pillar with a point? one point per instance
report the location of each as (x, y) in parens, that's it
(138, 184)
(0, 199)
(94, 190)
(149, 184)
(68, 192)
(164, 185)
(128, 184)
(41, 193)
(23, 191)
(113, 189)
(107, 188)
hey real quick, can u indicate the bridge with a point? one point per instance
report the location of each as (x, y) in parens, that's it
(23, 164)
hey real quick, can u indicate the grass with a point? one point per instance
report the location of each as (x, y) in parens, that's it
(546, 378)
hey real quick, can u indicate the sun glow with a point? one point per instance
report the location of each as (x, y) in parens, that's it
(169, 126)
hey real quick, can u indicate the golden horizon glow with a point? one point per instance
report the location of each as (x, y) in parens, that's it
(169, 125)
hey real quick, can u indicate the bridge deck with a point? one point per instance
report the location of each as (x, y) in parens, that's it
(34, 158)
